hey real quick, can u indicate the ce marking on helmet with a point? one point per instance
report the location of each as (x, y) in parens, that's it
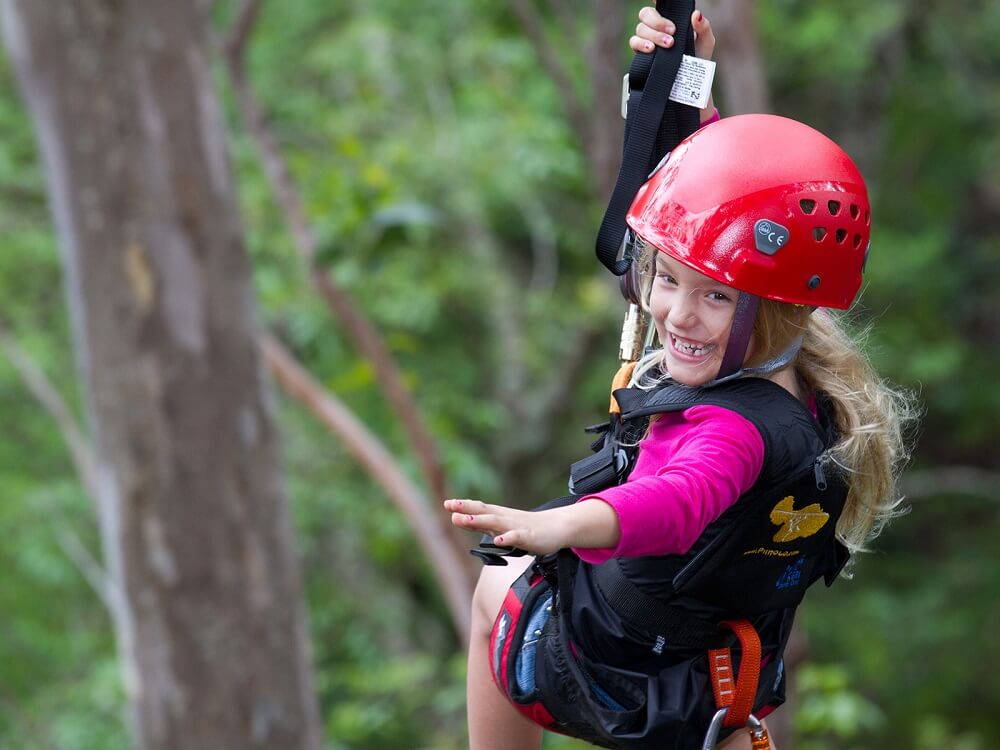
(769, 236)
(766, 229)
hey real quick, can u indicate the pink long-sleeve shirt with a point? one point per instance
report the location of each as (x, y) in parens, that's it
(692, 465)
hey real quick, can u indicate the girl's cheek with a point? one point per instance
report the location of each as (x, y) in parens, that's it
(661, 331)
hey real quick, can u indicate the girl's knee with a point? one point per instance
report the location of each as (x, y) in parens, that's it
(494, 581)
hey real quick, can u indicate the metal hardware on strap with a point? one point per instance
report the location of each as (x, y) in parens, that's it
(621, 380)
(759, 739)
(758, 732)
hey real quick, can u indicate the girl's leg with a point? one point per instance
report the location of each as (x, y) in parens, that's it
(494, 724)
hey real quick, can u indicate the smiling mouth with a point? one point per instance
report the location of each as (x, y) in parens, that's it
(690, 348)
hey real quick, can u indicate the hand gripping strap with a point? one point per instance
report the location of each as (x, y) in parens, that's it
(737, 695)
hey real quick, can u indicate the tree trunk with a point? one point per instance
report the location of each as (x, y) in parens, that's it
(743, 80)
(606, 61)
(195, 524)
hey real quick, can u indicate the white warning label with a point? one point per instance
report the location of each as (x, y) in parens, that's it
(693, 84)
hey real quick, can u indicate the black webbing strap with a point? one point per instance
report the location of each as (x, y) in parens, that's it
(653, 127)
(740, 332)
(678, 627)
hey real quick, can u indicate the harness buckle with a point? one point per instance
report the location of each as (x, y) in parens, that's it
(625, 95)
(492, 554)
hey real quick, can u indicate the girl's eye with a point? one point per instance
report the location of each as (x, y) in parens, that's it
(718, 297)
(666, 277)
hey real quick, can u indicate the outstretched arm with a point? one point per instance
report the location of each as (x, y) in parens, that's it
(654, 30)
(590, 524)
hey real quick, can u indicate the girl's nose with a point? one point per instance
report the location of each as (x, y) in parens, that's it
(682, 311)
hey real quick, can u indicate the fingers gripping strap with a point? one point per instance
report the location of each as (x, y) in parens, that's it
(736, 693)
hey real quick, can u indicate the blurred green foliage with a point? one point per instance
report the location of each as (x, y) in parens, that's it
(452, 202)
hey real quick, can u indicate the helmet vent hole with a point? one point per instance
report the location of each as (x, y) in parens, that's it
(855, 211)
(841, 236)
(834, 207)
(807, 206)
(857, 241)
(868, 218)
(819, 233)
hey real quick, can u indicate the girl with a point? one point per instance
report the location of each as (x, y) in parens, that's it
(758, 445)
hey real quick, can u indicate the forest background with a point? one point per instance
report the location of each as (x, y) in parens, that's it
(443, 168)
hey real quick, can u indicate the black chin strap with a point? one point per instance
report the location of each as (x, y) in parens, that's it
(739, 335)
(654, 126)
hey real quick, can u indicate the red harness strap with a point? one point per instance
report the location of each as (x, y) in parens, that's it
(737, 694)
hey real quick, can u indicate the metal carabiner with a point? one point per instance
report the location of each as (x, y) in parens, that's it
(712, 735)
(756, 729)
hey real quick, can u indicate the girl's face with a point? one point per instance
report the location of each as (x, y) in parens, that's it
(692, 314)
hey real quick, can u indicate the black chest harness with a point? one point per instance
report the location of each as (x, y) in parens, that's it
(624, 659)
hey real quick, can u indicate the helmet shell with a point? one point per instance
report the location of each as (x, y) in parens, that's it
(763, 204)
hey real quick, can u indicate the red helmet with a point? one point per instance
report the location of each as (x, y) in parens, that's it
(765, 205)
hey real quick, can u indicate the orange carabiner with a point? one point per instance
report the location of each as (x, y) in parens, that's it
(759, 739)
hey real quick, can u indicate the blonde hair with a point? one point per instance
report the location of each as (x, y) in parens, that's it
(872, 417)
(873, 420)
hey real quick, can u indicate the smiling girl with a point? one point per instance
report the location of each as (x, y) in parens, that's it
(753, 451)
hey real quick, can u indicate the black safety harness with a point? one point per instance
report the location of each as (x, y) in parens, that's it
(744, 575)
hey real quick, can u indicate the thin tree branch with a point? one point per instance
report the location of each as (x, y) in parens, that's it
(503, 306)
(239, 35)
(84, 462)
(578, 113)
(89, 568)
(741, 65)
(569, 20)
(556, 400)
(358, 327)
(950, 480)
(48, 396)
(384, 469)
(605, 69)
(544, 250)
(38, 731)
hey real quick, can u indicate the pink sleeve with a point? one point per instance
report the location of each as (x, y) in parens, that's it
(689, 471)
(714, 118)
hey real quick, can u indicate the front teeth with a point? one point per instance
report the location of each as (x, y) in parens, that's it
(695, 351)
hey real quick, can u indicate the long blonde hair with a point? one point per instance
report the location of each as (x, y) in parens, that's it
(871, 416)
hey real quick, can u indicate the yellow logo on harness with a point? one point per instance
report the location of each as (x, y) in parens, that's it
(796, 524)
